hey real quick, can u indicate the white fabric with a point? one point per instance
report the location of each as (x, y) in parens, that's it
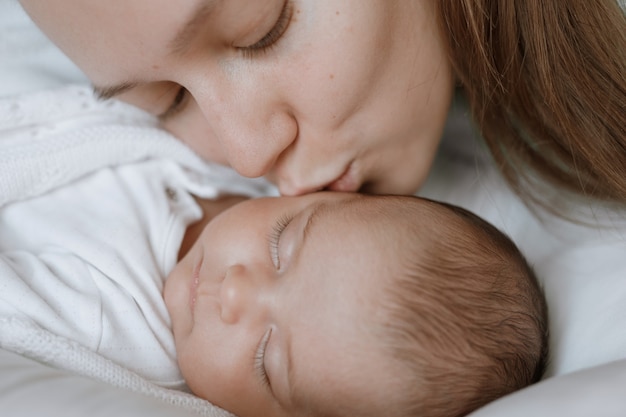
(86, 240)
(31, 341)
(23, 49)
(29, 389)
(597, 392)
(88, 261)
(70, 133)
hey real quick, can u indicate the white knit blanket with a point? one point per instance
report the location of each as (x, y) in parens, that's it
(48, 139)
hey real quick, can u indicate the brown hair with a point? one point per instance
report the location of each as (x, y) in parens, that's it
(467, 318)
(546, 83)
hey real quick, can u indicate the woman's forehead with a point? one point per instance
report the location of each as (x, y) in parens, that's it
(128, 33)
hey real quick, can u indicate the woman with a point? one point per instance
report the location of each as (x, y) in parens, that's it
(351, 95)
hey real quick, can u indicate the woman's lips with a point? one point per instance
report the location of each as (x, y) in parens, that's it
(347, 182)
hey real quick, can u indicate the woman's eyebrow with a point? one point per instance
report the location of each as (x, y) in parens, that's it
(179, 44)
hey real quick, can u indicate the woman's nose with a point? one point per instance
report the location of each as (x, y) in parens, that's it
(242, 294)
(250, 123)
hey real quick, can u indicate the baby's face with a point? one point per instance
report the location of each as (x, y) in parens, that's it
(273, 309)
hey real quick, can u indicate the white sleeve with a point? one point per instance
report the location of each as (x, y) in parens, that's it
(86, 262)
(53, 290)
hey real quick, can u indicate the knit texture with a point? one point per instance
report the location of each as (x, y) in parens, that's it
(50, 138)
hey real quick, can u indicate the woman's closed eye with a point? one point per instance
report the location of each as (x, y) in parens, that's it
(263, 45)
(177, 105)
(270, 39)
(274, 238)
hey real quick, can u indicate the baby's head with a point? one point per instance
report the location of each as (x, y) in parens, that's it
(466, 315)
(337, 304)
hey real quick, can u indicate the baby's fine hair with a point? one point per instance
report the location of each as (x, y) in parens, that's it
(466, 316)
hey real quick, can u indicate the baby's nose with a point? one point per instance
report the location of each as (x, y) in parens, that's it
(240, 294)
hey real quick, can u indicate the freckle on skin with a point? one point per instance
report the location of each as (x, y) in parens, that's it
(331, 76)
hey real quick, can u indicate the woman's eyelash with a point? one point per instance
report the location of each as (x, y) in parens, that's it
(277, 31)
(259, 358)
(177, 105)
(274, 34)
(274, 238)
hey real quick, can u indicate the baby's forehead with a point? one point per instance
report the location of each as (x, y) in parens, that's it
(401, 219)
(352, 353)
(401, 208)
(356, 386)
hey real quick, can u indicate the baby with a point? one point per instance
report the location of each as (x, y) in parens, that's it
(321, 305)
(354, 305)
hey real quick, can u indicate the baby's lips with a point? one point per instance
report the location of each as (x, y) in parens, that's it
(193, 285)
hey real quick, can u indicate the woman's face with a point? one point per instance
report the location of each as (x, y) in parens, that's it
(336, 94)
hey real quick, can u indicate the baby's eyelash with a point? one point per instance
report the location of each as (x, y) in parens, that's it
(274, 237)
(259, 366)
(277, 31)
(259, 358)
